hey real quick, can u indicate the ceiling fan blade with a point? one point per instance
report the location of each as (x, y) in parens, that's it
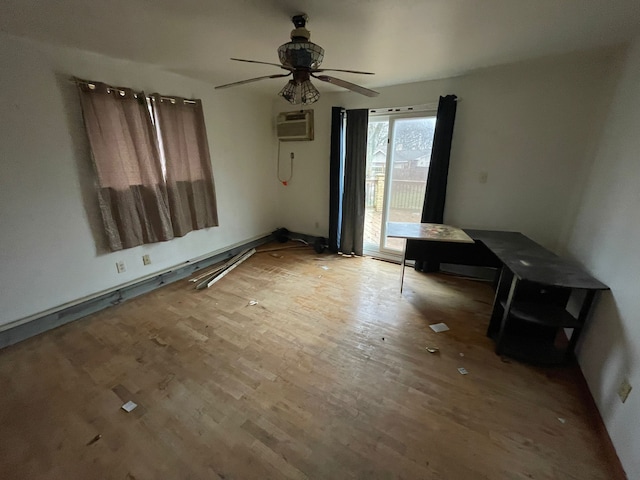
(242, 82)
(263, 63)
(338, 70)
(348, 85)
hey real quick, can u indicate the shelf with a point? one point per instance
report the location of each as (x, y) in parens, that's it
(537, 353)
(542, 314)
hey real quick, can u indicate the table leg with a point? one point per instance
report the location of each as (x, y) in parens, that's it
(404, 259)
(505, 315)
(582, 317)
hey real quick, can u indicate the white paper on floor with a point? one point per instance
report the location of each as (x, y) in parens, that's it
(439, 327)
(129, 406)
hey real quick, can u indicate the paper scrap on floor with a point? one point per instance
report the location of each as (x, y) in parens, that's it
(439, 327)
(463, 371)
(129, 406)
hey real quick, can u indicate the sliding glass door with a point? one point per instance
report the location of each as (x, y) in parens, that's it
(398, 155)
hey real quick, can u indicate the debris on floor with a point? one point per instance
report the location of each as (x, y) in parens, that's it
(277, 249)
(275, 255)
(225, 268)
(324, 267)
(158, 342)
(439, 327)
(463, 371)
(562, 420)
(94, 440)
(208, 273)
(461, 354)
(252, 303)
(129, 406)
(432, 349)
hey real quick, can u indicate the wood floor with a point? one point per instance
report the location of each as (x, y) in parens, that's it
(326, 377)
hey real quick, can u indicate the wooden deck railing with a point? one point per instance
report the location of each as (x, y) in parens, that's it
(405, 194)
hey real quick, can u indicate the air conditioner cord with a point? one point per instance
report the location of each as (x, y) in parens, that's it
(286, 181)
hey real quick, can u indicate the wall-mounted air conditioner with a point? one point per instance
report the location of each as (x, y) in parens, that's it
(295, 126)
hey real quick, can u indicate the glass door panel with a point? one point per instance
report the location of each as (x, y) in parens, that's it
(411, 142)
(398, 155)
(376, 167)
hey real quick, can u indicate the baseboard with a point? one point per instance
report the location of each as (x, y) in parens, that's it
(27, 328)
(618, 472)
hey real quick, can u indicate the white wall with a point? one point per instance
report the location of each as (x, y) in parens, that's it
(535, 127)
(529, 125)
(606, 239)
(50, 225)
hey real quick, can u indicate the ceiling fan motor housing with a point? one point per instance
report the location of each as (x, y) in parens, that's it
(303, 55)
(300, 53)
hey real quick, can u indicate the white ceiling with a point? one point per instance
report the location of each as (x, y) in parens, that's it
(401, 40)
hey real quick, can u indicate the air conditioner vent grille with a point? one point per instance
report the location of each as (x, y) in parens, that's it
(295, 126)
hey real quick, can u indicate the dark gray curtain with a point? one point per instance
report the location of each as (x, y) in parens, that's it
(436, 193)
(336, 164)
(353, 198)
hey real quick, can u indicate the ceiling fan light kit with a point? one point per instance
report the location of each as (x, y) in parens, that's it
(300, 92)
(302, 58)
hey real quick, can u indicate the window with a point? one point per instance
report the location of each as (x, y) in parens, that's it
(140, 200)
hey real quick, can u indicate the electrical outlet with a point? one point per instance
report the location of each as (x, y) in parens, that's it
(146, 259)
(624, 390)
(120, 266)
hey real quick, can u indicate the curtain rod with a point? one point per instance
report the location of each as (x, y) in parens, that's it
(92, 85)
(407, 109)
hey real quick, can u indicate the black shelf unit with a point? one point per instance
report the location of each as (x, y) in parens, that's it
(544, 314)
(529, 320)
(537, 352)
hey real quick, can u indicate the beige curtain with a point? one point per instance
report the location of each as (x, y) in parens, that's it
(132, 193)
(183, 138)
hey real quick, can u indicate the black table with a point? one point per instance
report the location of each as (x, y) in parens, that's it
(534, 290)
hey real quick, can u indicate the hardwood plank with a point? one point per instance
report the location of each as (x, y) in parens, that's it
(327, 376)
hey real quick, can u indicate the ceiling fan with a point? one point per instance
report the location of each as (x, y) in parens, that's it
(302, 59)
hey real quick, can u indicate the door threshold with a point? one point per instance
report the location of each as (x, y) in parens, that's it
(387, 257)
